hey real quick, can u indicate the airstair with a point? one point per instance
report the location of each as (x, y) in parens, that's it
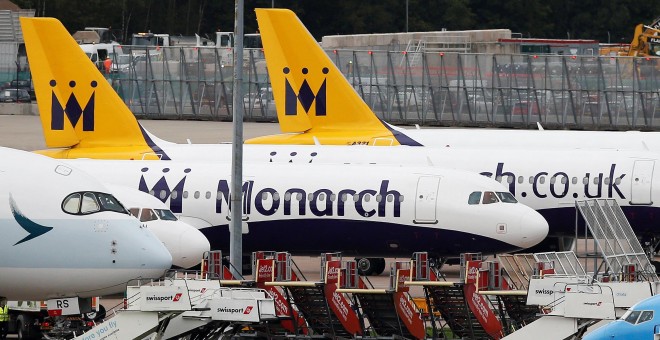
(390, 312)
(615, 240)
(467, 313)
(327, 312)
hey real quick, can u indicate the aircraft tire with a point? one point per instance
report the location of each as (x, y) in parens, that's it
(365, 266)
(370, 265)
(96, 316)
(379, 265)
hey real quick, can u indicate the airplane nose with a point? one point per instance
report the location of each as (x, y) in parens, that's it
(192, 245)
(155, 256)
(534, 228)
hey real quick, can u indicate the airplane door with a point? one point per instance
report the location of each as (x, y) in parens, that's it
(642, 177)
(426, 199)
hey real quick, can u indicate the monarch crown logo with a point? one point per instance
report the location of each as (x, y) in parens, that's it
(72, 108)
(306, 96)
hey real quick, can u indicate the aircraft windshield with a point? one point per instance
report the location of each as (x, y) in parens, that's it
(637, 316)
(85, 203)
(165, 214)
(506, 197)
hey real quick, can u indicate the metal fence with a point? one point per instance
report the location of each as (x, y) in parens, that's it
(427, 88)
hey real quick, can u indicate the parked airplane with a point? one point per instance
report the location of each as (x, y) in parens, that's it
(639, 322)
(97, 135)
(317, 105)
(185, 243)
(65, 235)
(367, 210)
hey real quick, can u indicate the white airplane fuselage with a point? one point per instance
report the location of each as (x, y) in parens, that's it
(547, 180)
(367, 210)
(46, 252)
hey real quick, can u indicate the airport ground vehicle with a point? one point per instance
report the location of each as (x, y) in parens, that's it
(13, 95)
(31, 319)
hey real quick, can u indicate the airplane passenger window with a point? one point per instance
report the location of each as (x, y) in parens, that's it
(175, 194)
(264, 196)
(607, 180)
(196, 194)
(553, 180)
(321, 197)
(287, 196)
(474, 198)
(71, 203)
(110, 203)
(531, 179)
(563, 180)
(632, 316)
(163, 194)
(646, 316)
(506, 197)
(401, 198)
(356, 198)
(617, 181)
(574, 180)
(333, 197)
(147, 215)
(276, 196)
(510, 179)
(390, 198)
(379, 198)
(165, 215)
(89, 204)
(585, 180)
(596, 178)
(367, 198)
(521, 179)
(185, 194)
(208, 195)
(489, 197)
(542, 179)
(498, 178)
(344, 197)
(152, 193)
(299, 196)
(310, 197)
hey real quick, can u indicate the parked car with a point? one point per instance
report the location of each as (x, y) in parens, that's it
(15, 96)
(23, 84)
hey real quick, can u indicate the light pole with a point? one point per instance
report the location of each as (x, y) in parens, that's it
(407, 16)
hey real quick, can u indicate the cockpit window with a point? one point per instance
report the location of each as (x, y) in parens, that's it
(84, 203)
(89, 204)
(110, 203)
(165, 214)
(646, 316)
(631, 316)
(475, 197)
(147, 215)
(506, 197)
(489, 197)
(134, 211)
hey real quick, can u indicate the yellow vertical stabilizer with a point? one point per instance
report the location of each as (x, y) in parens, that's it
(77, 105)
(312, 97)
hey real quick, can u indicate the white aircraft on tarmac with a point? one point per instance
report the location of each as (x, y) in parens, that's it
(65, 235)
(185, 243)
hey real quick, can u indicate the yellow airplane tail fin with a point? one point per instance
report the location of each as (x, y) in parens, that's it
(77, 105)
(312, 96)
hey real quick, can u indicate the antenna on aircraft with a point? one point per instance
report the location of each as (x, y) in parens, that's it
(538, 125)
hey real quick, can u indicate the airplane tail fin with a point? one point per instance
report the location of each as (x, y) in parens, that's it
(311, 94)
(77, 105)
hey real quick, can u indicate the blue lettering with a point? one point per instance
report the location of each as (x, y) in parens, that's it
(535, 185)
(384, 193)
(344, 195)
(613, 183)
(559, 176)
(358, 204)
(313, 205)
(599, 186)
(301, 203)
(261, 198)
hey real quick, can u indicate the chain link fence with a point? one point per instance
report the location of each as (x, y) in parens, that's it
(426, 88)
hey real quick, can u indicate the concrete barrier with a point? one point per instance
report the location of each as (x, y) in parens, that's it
(26, 109)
